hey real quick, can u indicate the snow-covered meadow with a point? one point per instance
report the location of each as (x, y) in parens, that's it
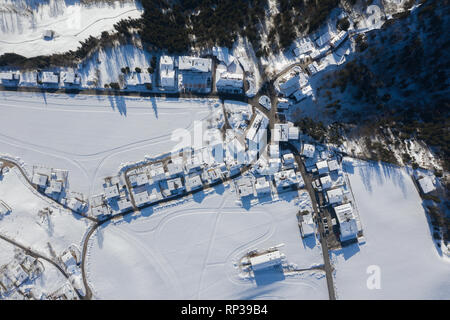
(191, 251)
(23, 23)
(91, 136)
(398, 240)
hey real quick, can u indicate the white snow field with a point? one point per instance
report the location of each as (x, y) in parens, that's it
(92, 135)
(7, 252)
(191, 251)
(398, 240)
(24, 225)
(23, 23)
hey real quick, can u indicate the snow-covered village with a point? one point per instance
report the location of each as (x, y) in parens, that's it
(188, 161)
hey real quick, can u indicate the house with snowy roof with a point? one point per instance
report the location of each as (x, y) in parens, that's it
(193, 182)
(48, 77)
(244, 187)
(281, 132)
(426, 184)
(308, 150)
(335, 196)
(166, 72)
(266, 260)
(194, 74)
(307, 226)
(347, 222)
(322, 167)
(262, 186)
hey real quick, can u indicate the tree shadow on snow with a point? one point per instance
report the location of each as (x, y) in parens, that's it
(154, 106)
(118, 102)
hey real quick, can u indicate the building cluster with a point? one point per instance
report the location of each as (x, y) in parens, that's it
(113, 200)
(238, 115)
(294, 88)
(329, 180)
(312, 51)
(49, 181)
(17, 276)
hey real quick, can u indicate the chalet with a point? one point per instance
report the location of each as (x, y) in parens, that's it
(97, 200)
(266, 260)
(193, 182)
(141, 198)
(257, 128)
(75, 205)
(40, 180)
(307, 225)
(262, 186)
(244, 187)
(293, 84)
(138, 80)
(194, 64)
(293, 133)
(49, 77)
(287, 179)
(303, 93)
(322, 167)
(333, 165)
(335, 196)
(68, 260)
(281, 132)
(426, 184)
(111, 192)
(308, 150)
(101, 210)
(175, 168)
(166, 72)
(288, 159)
(70, 78)
(338, 39)
(230, 82)
(124, 204)
(326, 182)
(274, 150)
(175, 186)
(347, 222)
(137, 180)
(157, 172)
(265, 102)
(323, 39)
(9, 78)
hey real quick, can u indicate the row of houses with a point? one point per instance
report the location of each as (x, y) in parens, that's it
(330, 181)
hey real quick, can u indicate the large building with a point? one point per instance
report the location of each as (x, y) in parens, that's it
(229, 79)
(194, 74)
(266, 260)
